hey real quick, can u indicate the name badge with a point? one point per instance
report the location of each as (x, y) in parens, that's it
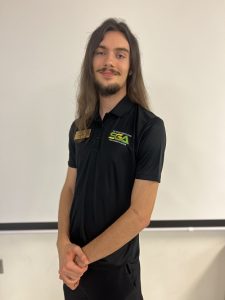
(82, 134)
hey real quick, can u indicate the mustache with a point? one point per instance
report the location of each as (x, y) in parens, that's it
(104, 69)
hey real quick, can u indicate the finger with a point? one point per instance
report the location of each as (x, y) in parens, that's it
(71, 268)
(83, 258)
(73, 287)
(69, 276)
(72, 284)
(69, 281)
(79, 262)
(65, 277)
(76, 284)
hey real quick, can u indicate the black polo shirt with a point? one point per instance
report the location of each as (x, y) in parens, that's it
(128, 143)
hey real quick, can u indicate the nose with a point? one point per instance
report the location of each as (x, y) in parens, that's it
(109, 59)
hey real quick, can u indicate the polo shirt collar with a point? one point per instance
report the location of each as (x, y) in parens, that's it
(122, 107)
(119, 110)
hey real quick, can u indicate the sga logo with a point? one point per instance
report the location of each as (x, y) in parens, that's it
(119, 137)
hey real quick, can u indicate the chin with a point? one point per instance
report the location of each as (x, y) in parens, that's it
(107, 90)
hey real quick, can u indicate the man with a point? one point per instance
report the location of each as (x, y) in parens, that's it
(116, 150)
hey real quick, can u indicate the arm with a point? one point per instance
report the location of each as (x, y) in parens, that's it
(69, 271)
(65, 204)
(135, 219)
(150, 156)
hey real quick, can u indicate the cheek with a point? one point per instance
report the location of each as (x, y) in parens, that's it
(126, 68)
(125, 71)
(96, 63)
(99, 58)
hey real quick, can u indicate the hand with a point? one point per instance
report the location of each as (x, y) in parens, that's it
(72, 264)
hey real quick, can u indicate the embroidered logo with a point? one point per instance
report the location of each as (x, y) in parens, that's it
(119, 137)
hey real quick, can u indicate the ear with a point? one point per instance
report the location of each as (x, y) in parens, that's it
(130, 73)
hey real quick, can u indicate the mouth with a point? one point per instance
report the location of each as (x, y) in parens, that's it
(108, 72)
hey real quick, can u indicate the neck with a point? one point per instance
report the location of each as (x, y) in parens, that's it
(109, 102)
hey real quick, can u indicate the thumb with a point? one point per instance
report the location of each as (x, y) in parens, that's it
(81, 262)
(80, 257)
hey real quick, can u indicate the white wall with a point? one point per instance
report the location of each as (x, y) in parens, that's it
(182, 46)
(176, 265)
(182, 49)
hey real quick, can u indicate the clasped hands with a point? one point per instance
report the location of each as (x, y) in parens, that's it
(73, 263)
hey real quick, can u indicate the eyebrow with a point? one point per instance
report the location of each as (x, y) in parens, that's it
(118, 48)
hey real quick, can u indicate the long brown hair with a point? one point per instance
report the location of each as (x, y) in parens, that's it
(88, 98)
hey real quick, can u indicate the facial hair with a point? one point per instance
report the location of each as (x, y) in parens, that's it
(110, 89)
(107, 90)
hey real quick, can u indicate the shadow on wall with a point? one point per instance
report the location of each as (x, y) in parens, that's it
(211, 286)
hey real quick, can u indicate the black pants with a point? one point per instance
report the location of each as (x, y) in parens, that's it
(108, 283)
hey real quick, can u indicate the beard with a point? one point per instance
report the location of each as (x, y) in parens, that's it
(107, 90)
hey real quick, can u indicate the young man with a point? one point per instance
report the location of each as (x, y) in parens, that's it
(116, 151)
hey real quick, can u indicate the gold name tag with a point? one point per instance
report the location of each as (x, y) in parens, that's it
(82, 134)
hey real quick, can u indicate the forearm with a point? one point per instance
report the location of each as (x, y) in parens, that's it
(65, 203)
(114, 237)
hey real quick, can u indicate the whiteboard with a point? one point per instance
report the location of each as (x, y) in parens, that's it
(182, 50)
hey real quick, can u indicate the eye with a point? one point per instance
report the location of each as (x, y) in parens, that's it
(99, 52)
(120, 55)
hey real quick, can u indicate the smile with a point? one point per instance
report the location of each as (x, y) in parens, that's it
(108, 72)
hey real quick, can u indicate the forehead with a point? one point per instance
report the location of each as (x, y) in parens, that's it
(114, 39)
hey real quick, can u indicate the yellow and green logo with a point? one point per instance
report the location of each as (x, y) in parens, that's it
(119, 137)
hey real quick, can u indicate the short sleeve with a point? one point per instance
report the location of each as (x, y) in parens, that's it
(150, 152)
(72, 148)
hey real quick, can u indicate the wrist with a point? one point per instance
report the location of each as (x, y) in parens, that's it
(87, 254)
(62, 242)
